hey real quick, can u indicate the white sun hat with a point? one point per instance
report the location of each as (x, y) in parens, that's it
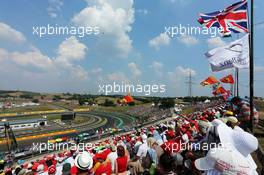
(242, 141)
(224, 160)
(216, 122)
(84, 161)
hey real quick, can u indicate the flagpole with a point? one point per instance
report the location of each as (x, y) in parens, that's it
(235, 85)
(251, 64)
(237, 82)
(237, 75)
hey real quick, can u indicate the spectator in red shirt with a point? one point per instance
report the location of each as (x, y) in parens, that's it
(104, 167)
(121, 161)
(171, 145)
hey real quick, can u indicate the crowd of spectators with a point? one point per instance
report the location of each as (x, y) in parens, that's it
(211, 142)
(149, 113)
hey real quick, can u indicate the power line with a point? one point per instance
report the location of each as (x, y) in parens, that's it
(259, 23)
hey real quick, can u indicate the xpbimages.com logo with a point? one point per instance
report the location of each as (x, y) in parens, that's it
(123, 88)
(178, 30)
(50, 30)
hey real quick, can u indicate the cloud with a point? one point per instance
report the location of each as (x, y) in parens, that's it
(54, 8)
(3, 54)
(177, 78)
(114, 20)
(181, 2)
(157, 67)
(135, 71)
(33, 60)
(117, 77)
(185, 71)
(79, 72)
(180, 73)
(215, 42)
(9, 34)
(162, 40)
(97, 70)
(71, 50)
(188, 40)
(143, 11)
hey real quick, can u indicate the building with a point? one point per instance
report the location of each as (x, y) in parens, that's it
(24, 124)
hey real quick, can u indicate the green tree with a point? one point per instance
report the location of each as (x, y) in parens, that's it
(109, 102)
(167, 103)
(35, 100)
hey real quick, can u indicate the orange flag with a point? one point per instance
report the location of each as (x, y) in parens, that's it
(128, 99)
(210, 80)
(228, 79)
(220, 90)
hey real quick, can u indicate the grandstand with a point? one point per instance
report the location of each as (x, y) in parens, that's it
(156, 147)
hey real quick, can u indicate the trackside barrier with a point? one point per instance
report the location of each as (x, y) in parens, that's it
(81, 110)
(32, 113)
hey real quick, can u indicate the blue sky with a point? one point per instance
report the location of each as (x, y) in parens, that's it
(130, 47)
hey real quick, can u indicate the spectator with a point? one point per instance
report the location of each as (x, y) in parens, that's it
(52, 170)
(135, 164)
(66, 169)
(112, 156)
(83, 164)
(242, 110)
(232, 122)
(147, 156)
(166, 165)
(151, 151)
(121, 161)
(102, 167)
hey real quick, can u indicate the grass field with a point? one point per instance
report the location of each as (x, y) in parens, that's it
(188, 110)
(27, 109)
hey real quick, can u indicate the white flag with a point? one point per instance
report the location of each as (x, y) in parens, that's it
(235, 54)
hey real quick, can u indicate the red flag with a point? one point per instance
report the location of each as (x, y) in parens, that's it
(128, 99)
(226, 95)
(228, 79)
(220, 90)
(210, 80)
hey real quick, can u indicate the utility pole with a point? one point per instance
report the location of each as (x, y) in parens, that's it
(190, 82)
(251, 66)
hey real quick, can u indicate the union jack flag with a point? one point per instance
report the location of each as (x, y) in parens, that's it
(232, 19)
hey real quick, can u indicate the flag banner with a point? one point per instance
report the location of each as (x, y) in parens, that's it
(235, 54)
(220, 90)
(232, 19)
(128, 99)
(228, 79)
(209, 81)
(216, 85)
